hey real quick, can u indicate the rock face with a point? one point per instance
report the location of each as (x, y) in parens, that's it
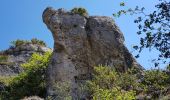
(80, 43)
(16, 56)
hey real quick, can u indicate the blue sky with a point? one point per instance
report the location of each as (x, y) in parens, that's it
(22, 19)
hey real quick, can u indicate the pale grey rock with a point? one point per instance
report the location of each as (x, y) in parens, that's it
(81, 43)
(17, 56)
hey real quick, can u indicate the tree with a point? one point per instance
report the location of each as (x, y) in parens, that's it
(155, 27)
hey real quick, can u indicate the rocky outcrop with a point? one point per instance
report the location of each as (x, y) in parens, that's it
(14, 56)
(80, 43)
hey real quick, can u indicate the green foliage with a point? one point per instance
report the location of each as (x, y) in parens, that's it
(128, 81)
(62, 90)
(153, 28)
(6, 79)
(122, 4)
(19, 42)
(80, 11)
(3, 58)
(105, 85)
(156, 79)
(31, 81)
(39, 42)
(108, 84)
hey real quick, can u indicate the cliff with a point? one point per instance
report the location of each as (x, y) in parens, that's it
(80, 43)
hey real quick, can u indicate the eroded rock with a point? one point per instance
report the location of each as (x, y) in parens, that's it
(81, 43)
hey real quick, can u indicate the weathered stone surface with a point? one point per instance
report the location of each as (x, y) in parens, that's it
(18, 55)
(80, 44)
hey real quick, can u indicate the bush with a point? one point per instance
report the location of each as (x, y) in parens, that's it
(80, 11)
(104, 85)
(109, 84)
(62, 91)
(155, 80)
(128, 81)
(19, 42)
(31, 82)
(39, 42)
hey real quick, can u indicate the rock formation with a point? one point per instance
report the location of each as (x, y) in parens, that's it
(80, 43)
(16, 56)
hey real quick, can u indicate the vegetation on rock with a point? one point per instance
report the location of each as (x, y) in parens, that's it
(108, 84)
(80, 11)
(3, 59)
(29, 83)
(19, 42)
(105, 85)
(62, 90)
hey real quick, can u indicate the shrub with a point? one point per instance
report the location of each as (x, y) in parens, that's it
(104, 85)
(80, 11)
(6, 80)
(19, 42)
(108, 84)
(31, 81)
(62, 91)
(128, 81)
(39, 42)
(155, 80)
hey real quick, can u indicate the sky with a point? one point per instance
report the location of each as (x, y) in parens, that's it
(22, 19)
